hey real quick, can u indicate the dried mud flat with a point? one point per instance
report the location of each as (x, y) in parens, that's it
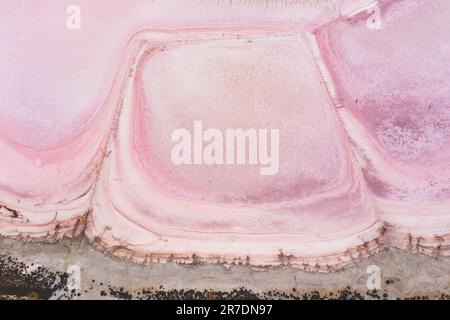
(43, 271)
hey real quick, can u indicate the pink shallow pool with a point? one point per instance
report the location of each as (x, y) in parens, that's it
(310, 137)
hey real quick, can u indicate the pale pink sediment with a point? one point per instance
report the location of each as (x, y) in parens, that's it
(47, 193)
(112, 160)
(135, 216)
